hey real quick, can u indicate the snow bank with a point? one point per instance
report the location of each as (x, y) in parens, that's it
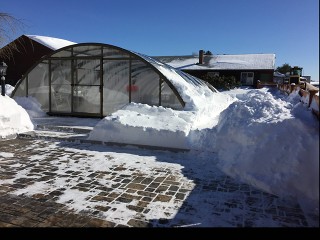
(31, 105)
(13, 118)
(158, 126)
(145, 125)
(270, 143)
(8, 89)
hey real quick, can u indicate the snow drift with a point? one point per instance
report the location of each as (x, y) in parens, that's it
(267, 143)
(13, 118)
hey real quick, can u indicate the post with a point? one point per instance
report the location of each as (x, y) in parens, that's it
(3, 86)
(3, 70)
(292, 86)
(258, 84)
(201, 52)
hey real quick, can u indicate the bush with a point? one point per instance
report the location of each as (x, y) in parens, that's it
(223, 82)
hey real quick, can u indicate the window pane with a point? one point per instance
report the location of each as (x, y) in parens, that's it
(61, 98)
(87, 72)
(21, 89)
(86, 99)
(87, 51)
(168, 98)
(115, 82)
(38, 84)
(60, 72)
(64, 53)
(110, 52)
(61, 85)
(145, 84)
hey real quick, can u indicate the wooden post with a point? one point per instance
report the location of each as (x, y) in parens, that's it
(311, 94)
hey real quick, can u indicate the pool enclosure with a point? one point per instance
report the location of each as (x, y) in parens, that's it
(94, 80)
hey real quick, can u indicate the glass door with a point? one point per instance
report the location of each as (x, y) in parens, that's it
(61, 80)
(86, 87)
(247, 78)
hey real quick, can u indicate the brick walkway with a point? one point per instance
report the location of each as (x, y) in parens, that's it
(65, 184)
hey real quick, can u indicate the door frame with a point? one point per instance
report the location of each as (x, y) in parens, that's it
(245, 79)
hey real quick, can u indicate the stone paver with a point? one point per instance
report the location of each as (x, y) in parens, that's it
(118, 194)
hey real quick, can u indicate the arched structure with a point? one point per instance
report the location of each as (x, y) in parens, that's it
(94, 80)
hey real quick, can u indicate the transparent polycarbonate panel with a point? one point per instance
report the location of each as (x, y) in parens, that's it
(63, 53)
(87, 72)
(38, 84)
(168, 98)
(21, 88)
(189, 78)
(86, 99)
(110, 52)
(61, 85)
(170, 72)
(145, 84)
(115, 85)
(61, 98)
(60, 72)
(87, 51)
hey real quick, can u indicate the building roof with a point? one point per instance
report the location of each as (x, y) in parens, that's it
(25, 51)
(221, 62)
(50, 42)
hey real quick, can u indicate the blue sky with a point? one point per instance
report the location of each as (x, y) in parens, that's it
(288, 28)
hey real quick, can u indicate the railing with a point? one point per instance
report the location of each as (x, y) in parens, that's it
(309, 94)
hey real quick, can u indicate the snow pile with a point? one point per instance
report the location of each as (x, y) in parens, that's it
(264, 138)
(8, 89)
(158, 126)
(31, 105)
(13, 118)
(271, 144)
(144, 125)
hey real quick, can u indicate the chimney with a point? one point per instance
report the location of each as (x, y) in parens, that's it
(201, 52)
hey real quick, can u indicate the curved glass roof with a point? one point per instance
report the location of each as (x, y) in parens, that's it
(93, 79)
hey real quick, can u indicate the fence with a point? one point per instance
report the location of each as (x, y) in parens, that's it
(309, 94)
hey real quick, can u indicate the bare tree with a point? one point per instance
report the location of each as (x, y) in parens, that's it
(9, 27)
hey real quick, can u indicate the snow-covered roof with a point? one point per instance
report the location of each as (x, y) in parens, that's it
(221, 62)
(278, 74)
(51, 42)
(190, 88)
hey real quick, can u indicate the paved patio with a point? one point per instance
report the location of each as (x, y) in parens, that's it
(72, 184)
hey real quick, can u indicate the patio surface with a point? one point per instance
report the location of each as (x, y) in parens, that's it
(69, 183)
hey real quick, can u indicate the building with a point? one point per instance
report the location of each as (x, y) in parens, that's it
(94, 80)
(25, 51)
(249, 68)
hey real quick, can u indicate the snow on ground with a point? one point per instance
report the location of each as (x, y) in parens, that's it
(261, 136)
(13, 118)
